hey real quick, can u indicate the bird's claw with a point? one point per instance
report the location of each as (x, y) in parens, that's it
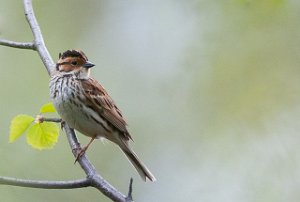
(80, 153)
(62, 124)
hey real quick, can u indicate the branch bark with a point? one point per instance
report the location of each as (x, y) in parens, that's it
(97, 181)
(14, 44)
(93, 178)
(38, 37)
(45, 184)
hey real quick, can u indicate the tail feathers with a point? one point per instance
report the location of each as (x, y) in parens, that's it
(139, 166)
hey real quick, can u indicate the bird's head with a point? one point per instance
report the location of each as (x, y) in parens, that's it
(74, 61)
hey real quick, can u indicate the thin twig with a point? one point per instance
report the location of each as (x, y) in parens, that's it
(45, 184)
(40, 119)
(55, 120)
(129, 196)
(15, 44)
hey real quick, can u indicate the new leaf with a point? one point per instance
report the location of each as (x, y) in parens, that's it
(42, 135)
(19, 125)
(47, 108)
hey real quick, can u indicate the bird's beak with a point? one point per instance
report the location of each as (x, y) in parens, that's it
(88, 64)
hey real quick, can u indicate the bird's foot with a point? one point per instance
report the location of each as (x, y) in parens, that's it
(80, 153)
(62, 124)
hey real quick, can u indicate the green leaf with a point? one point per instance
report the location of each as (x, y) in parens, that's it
(47, 108)
(42, 135)
(19, 125)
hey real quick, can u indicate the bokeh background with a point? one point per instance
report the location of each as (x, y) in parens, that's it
(210, 90)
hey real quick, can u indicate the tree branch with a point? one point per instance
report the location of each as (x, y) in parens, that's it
(93, 178)
(45, 184)
(96, 180)
(38, 37)
(14, 44)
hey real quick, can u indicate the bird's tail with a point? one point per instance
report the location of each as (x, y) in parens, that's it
(138, 165)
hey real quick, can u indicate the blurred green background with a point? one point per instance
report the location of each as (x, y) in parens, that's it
(210, 90)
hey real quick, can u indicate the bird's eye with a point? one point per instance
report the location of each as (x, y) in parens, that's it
(74, 63)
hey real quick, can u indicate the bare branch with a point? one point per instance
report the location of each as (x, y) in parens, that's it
(45, 184)
(96, 180)
(14, 44)
(38, 38)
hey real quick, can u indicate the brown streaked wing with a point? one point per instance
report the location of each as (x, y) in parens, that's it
(104, 105)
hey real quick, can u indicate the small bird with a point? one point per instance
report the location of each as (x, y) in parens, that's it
(86, 106)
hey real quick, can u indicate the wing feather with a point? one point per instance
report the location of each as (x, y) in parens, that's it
(104, 106)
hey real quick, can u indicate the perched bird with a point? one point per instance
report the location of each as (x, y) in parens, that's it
(85, 106)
